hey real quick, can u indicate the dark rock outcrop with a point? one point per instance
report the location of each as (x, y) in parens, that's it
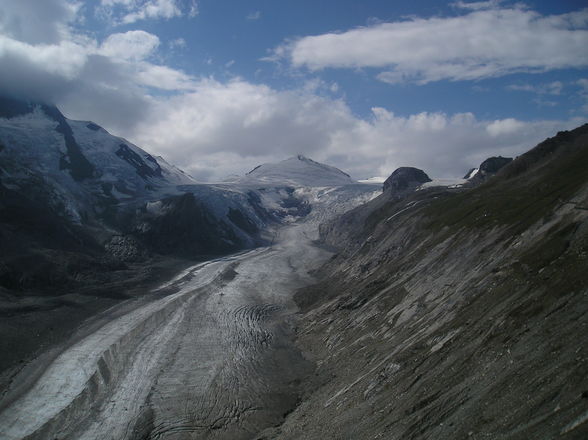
(184, 226)
(144, 169)
(487, 169)
(405, 178)
(493, 164)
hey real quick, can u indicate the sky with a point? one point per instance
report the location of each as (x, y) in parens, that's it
(217, 87)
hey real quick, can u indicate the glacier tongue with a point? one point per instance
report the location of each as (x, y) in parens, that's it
(216, 355)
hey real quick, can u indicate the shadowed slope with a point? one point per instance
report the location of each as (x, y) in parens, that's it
(456, 313)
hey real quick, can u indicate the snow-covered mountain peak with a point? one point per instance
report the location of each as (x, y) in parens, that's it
(41, 139)
(298, 171)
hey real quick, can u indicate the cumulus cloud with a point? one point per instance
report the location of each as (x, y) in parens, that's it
(39, 71)
(50, 72)
(109, 80)
(131, 45)
(504, 127)
(487, 41)
(154, 9)
(163, 77)
(130, 11)
(219, 129)
(34, 22)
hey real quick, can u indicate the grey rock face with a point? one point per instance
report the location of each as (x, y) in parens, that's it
(487, 169)
(405, 178)
(493, 164)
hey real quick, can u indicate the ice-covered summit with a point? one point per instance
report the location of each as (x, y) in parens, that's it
(297, 171)
(37, 138)
(78, 168)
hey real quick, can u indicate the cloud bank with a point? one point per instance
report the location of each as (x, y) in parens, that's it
(488, 41)
(226, 128)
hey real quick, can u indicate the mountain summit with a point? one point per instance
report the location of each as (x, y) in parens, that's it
(298, 171)
(405, 178)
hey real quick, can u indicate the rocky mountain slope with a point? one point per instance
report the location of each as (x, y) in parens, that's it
(71, 186)
(487, 169)
(455, 313)
(78, 201)
(405, 179)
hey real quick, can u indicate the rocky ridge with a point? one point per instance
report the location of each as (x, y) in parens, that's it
(455, 313)
(487, 169)
(405, 179)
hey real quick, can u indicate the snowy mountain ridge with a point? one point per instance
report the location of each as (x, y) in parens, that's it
(297, 171)
(43, 141)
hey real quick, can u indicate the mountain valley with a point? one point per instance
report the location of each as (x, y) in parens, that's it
(289, 303)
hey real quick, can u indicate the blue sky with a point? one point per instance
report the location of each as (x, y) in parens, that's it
(218, 86)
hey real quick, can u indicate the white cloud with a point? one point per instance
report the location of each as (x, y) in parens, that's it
(154, 9)
(504, 127)
(193, 12)
(131, 11)
(163, 77)
(476, 6)
(65, 59)
(51, 71)
(254, 15)
(218, 129)
(482, 43)
(110, 80)
(131, 45)
(36, 22)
